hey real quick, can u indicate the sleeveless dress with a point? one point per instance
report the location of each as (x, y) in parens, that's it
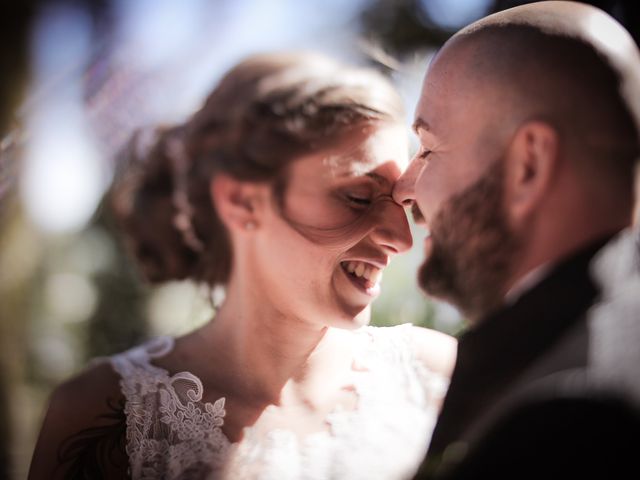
(172, 434)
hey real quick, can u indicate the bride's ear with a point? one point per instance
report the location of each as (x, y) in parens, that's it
(239, 204)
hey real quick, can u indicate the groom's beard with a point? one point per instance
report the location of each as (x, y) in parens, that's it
(472, 248)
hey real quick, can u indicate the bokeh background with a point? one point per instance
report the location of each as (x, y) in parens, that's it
(76, 77)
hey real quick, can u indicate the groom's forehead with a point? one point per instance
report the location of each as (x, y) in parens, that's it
(446, 87)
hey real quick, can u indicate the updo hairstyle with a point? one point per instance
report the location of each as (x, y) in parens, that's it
(267, 111)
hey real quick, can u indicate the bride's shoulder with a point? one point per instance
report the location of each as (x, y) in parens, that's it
(86, 395)
(96, 378)
(434, 349)
(79, 410)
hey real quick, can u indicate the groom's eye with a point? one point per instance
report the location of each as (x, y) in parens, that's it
(423, 153)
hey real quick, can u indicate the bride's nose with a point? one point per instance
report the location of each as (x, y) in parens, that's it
(391, 230)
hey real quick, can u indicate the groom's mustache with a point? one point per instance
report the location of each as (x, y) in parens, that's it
(417, 214)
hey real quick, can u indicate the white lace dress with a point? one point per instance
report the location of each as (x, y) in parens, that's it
(172, 434)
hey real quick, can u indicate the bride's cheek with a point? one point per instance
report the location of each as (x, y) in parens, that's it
(335, 214)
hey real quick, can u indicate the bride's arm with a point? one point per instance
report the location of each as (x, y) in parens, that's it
(83, 432)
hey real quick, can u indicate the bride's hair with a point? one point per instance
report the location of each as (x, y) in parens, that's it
(264, 113)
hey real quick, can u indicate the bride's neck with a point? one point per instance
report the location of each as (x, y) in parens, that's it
(269, 350)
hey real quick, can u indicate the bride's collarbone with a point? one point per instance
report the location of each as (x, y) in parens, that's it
(298, 415)
(292, 407)
(261, 418)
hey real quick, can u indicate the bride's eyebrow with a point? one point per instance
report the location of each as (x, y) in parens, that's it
(348, 167)
(354, 174)
(380, 179)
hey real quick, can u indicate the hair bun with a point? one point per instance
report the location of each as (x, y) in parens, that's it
(142, 200)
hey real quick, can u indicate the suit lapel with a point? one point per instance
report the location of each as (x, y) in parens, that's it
(496, 354)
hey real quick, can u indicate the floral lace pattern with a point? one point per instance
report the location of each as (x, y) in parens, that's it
(173, 434)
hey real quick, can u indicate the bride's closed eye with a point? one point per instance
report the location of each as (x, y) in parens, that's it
(361, 196)
(358, 199)
(360, 202)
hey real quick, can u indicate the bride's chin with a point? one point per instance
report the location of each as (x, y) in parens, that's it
(352, 317)
(363, 318)
(351, 300)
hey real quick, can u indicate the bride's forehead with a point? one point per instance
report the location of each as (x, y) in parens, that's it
(381, 148)
(332, 165)
(366, 153)
(336, 166)
(348, 164)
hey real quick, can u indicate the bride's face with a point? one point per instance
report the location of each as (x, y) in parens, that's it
(323, 248)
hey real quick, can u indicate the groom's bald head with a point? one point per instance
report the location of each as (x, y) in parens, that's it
(564, 63)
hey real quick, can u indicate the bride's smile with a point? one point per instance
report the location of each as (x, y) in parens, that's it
(334, 231)
(364, 275)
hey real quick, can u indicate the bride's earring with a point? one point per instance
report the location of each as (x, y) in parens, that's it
(250, 225)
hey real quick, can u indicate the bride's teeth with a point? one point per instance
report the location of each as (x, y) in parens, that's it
(367, 272)
(364, 270)
(375, 275)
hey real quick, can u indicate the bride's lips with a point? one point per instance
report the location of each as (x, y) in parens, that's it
(363, 275)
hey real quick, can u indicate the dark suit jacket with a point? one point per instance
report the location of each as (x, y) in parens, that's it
(585, 431)
(523, 387)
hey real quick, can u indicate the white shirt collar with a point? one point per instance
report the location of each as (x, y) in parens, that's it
(526, 283)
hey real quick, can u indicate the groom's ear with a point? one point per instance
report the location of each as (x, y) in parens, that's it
(239, 204)
(531, 161)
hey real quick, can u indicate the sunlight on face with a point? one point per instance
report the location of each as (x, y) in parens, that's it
(338, 227)
(330, 190)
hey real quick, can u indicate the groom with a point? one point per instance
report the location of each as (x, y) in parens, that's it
(529, 123)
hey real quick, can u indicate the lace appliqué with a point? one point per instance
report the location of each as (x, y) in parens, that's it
(172, 434)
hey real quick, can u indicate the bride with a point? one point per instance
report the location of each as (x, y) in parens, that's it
(278, 189)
